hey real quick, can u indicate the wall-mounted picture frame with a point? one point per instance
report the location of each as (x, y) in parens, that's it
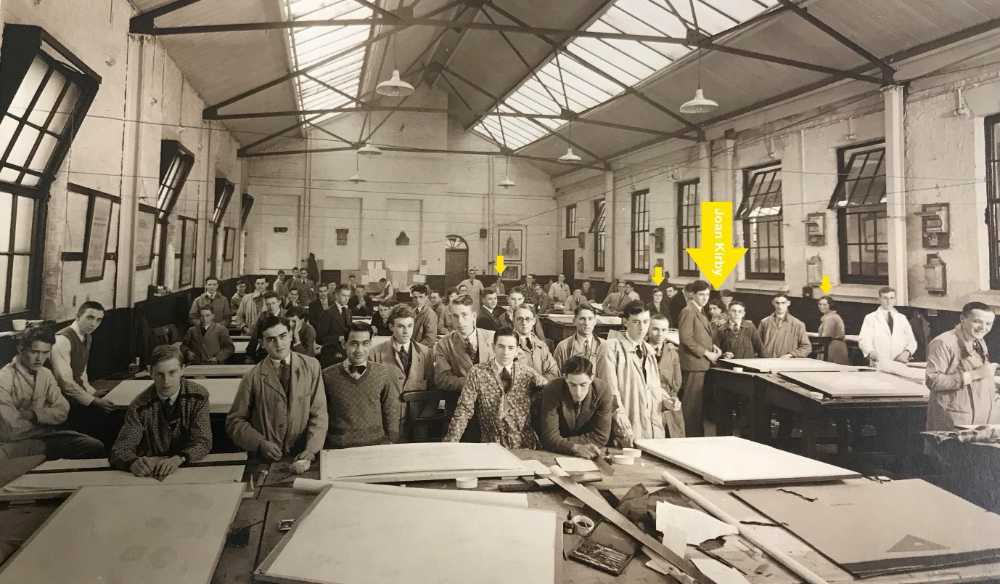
(145, 233)
(229, 245)
(511, 272)
(510, 244)
(189, 240)
(95, 238)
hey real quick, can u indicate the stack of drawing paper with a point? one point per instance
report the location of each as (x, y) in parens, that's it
(419, 462)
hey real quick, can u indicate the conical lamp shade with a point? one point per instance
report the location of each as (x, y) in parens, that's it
(699, 104)
(357, 178)
(570, 156)
(394, 86)
(369, 150)
(507, 183)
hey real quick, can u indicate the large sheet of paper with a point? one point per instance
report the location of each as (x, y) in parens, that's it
(153, 535)
(70, 464)
(771, 365)
(728, 460)
(339, 538)
(419, 461)
(856, 384)
(72, 480)
(221, 392)
(220, 370)
(872, 528)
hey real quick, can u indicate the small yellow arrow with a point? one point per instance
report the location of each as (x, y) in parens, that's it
(716, 257)
(500, 266)
(825, 285)
(658, 275)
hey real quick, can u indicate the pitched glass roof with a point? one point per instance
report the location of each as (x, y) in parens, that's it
(337, 81)
(628, 61)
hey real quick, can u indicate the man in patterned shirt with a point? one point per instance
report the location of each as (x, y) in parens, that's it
(498, 391)
(167, 424)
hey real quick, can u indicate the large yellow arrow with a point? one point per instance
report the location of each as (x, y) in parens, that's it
(716, 257)
(825, 285)
(658, 275)
(500, 266)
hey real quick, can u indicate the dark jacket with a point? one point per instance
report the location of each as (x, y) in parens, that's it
(200, 345)
(307, 341)
(564, 424)
(490, 320)
(695, 334)
(150, 430)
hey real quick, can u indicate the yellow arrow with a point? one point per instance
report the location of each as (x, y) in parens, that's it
(716, 257)
(500, 266)
(658, 275)
(825, 285)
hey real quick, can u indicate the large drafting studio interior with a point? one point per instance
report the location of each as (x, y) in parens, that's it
(499, 291)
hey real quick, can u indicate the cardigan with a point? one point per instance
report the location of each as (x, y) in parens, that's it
(151, 429)
(504, 416)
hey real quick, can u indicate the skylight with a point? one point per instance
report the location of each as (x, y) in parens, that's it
(336, 82)
(628, 61)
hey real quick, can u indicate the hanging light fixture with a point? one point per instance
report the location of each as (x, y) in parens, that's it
(569, 156)
(369, 150)
(699, 104)
(507, 182)
(356, 177)
(394, 86)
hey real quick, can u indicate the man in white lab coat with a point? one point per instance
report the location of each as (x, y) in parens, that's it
(886, 334)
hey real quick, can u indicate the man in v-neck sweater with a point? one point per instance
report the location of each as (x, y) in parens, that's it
(362, 396)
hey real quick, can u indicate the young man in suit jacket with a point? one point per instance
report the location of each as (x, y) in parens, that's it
(669, 365)
(576, 411)
(490, 315)
(303, 333)
(340, 323)
(413, 361)
(425, 324)
(207, 342)
(697, 354)
(457, 352)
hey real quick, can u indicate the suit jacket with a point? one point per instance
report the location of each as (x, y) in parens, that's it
(538, 357)
(220, 305)
(695, 333)
(334, 334)
(452, 363)
(564, 424)
(425, 326)
(200, 345)
(262, 411)
(490, 320)
(421, 375)
(320, 318)
(573, 346)
(307, 341)
(670, 380)
(306, 290)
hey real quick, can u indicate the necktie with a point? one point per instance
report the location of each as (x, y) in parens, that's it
(404, 358)
(586, 347)
(659, 353)
(473, 353)
(888, 320)
(285, 374)
(343, 314)
(358, 369)
(978, 346)
(507, 380)
(641, 353)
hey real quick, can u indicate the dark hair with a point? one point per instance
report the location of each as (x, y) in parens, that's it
(389, 303)
(660, 316)
(527, 307)
(697, 286)
(381, 279)
(400, 311)
(296, 311)
(504, 332)
(885, 290)
(271, 320)
(517, 290)
(450, 291)
(341, 287)
(25, 338)
(829, 302)
(208, 308)
(740, 303)
(780, 295)
(281, 272)
(165, 353)
(490, 291)
(269, 294)
(716, 303)
(968, 308)
(90, 305)
(210, 278)
(464, 300)
(578, 364)
(418, 288)
(583, 306)
(359, 327)
(727, 293)
(633, 308)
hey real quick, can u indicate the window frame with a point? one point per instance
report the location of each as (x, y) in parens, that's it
(841, 201)
(683, 229)
(569, 216)
(639, 252)
(184, 224)
(599, 227)
(246, 206)
(992, 210)
(747, 206)
(171, 151)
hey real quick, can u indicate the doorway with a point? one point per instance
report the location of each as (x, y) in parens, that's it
(569, 266)
(456, 260)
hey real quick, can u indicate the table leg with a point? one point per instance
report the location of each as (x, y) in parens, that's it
(810, 433)
(760, 417)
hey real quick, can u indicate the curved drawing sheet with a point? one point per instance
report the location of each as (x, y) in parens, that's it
(153, 535)
(383, 463)
(342, 537)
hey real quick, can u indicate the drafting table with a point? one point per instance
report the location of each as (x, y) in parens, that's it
(220, 370)
(221, 392)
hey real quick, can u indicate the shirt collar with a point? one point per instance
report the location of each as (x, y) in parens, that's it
(170, 400)
(397, 347)
(22, 369)
(277, 362)
(497, 367)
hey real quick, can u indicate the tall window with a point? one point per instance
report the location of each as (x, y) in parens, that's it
(571, 221)
(245, 209)
(688, 226)
(993, 196)
(45, 93)
(761, 214)
(640, 232)
(859, 199)
(223, 194)
(176, 162)
(599, 227)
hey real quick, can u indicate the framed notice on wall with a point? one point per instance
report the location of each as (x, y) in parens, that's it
(510, 243)
(145, 229)
(95, 239)
(189, 239)
(229, 249)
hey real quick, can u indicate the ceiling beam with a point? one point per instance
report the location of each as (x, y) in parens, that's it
(277, 134)
(887, 71)
(331, 110)
(144, 23)
(592, 122)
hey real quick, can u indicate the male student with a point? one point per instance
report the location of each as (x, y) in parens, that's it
(292, 299)
(697, 354)
(340, 322)
(280, 286)
(583, 342)
(781, 334)
(576, 300)
(386, 291)
(413, 361)
(587, 291)
(534, 352)
(272, 307)
(88, 410)
(303, 333)
(627, 363)
(459, 350)
(490, 314)
(616, 299)
(32, 408)
(559, 290)
(280, 407)
(207, 342)
(669, 364)
(440, 307)
(380, 322)
(886, 334)
(960, 375)
(362, 396)
(576, 411)
(214, 299)
(241, 291)
(473, 286)
(166, 425)
(499, 391)
(305, 286)
(515, 300)
(252, 305)
(425, 325)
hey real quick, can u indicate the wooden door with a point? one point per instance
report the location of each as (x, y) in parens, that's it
(456, 265)
(569, 266)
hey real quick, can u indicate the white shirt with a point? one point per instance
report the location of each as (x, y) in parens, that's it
(880, 345)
